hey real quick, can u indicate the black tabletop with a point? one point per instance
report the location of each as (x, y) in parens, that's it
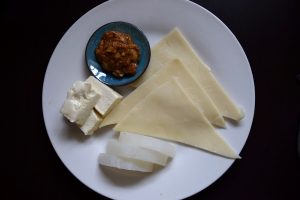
(268, 31)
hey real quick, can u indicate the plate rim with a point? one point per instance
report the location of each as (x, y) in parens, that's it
(107, 3)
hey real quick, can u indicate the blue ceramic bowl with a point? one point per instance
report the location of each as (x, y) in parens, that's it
(139, 39)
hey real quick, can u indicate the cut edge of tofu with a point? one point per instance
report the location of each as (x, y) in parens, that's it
(92, 123)
(110, 95)
(82, 113)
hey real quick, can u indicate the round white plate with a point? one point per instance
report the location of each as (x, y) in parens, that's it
(191, 170)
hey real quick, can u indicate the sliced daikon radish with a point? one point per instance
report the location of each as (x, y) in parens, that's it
(124, 163)
(134, 152)
(147, 142)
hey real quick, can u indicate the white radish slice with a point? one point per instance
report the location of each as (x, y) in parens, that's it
(147, 142)
(124, 163)
(134, 152)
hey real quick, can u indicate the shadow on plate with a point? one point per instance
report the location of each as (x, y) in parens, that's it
(233, 122)
(121, 177)
(125, 178)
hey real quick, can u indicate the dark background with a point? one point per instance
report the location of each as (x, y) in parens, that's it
(267, 30)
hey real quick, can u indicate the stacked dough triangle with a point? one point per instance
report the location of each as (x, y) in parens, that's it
(177, 98)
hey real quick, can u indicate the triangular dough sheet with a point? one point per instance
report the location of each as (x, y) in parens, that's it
(174, 45)
(173, 69)
(168, 113)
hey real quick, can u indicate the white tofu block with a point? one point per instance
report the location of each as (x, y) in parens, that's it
(79, 103)
(92, 123)
(109, 97)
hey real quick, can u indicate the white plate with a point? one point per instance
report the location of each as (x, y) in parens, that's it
(192, 170)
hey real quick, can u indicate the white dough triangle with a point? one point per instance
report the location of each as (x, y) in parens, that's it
(168, 113)
(175, 68)
(174, 45)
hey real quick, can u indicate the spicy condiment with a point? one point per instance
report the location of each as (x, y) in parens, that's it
(118, 54)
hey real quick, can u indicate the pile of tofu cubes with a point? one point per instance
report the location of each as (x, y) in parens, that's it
(88, 102)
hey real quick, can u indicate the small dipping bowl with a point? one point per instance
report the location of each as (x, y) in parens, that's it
(139, 39)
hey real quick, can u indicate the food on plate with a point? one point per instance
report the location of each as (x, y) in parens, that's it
(178, 99)
(168, 113)
(155, 144)
(118, 54)
(109, 97)
(79, 103)
(174, 68)
(88, 102)
(136, 152)
(118, 162)
(175, 46)
(92, 123)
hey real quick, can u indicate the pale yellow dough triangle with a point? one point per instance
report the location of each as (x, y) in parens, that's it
(174, 45)
(169, 114)
(173, 69)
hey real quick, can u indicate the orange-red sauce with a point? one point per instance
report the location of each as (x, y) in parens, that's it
(118, 54)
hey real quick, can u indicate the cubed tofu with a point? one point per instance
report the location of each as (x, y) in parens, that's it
(79, 103)
(109, 97)
(92, 123)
